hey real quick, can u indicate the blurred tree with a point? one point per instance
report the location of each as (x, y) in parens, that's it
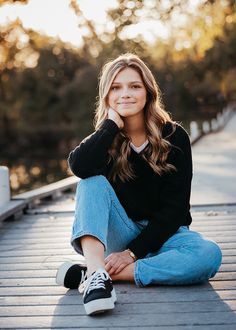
(37, 73)
(46, 86)
(3, 2)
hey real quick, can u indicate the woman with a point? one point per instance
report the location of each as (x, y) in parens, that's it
(132, 205)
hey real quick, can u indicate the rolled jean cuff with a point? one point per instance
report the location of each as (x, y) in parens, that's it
(136, 277)
(83, 233)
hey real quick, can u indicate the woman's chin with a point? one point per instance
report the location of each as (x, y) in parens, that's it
(126, 113)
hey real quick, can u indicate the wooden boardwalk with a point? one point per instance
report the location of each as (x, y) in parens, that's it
(32, 248)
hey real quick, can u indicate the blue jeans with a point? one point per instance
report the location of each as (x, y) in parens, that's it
(185, 258)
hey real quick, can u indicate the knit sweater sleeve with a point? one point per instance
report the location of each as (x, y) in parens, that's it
(174, 199)
(91, 156)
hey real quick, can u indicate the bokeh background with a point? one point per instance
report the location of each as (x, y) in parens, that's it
(51, 53)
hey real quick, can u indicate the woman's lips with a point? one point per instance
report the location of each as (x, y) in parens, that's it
(126, 103)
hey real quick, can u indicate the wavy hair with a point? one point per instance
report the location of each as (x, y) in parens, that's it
(155, 117)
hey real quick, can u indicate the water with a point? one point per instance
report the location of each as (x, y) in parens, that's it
(31, 173)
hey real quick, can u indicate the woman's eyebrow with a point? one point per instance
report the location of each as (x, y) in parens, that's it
(130, 82)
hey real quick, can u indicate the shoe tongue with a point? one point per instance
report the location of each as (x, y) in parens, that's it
(99, 270)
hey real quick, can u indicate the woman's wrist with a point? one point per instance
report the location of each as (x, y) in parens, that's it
(132, 255)
(116, 122)
(113, 115)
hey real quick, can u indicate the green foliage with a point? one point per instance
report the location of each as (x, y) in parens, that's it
(3, 2)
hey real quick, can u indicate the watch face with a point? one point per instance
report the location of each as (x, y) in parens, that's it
(132, 255)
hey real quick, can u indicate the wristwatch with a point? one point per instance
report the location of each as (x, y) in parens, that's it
(132, 254)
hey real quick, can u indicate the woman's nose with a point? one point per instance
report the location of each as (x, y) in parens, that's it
(125, 92)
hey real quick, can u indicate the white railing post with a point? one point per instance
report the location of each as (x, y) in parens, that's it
(194, 131)
(214, 125)
(206, 127)
(4, 185)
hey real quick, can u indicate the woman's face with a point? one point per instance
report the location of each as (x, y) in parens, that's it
(127, 94)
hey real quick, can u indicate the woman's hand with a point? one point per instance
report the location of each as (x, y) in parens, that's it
(114, 115)
(116, 261)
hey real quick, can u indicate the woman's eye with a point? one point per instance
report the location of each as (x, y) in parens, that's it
(114, 88)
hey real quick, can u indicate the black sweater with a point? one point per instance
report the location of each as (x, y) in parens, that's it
(163, 200)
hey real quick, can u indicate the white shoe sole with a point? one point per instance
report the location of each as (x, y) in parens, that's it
(60, 277)
(113, 295)
(101, 305)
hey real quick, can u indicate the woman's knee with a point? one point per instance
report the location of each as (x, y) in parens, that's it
(96, 181)
(212, 256)
(204, 264)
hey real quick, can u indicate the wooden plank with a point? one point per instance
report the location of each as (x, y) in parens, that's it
(60, 226)
(72, 297)
(225, 276)
(72, 256)
(55, 264)
(52, 264)
(46, 252)
(215, 217)
(66, 239)
(33, 265)
(11, 260)
(34, 240)
(171, 293)
(6, 246)
(50, 282)
(35, 273)
(47, 246)
(66, 219)
(38, 271)
(12, 208)
(21, 251)
(45, 233)
(48, 190)
(182, 327)
(148, 308)
(63, 205)
(122, 319)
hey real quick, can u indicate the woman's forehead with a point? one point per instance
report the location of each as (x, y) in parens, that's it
(127, 75)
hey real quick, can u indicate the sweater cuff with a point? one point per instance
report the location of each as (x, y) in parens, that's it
(139, 249)
(110, 126)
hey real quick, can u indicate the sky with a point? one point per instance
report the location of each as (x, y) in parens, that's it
(55, 18)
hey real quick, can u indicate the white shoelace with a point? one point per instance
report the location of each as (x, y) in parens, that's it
(95, 281)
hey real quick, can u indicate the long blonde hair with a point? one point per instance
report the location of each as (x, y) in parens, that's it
(155, 118)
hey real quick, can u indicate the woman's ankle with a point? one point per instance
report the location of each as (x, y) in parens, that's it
(93, 268)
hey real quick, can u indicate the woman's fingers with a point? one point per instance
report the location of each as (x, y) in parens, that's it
(116, 262)
(112, 266)
(113, 263)
(120, 268)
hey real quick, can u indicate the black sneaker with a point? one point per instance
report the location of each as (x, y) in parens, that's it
(71, 275)
(99, 295)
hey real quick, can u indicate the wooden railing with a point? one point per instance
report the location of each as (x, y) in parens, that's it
(19, 203)
(198, 130)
